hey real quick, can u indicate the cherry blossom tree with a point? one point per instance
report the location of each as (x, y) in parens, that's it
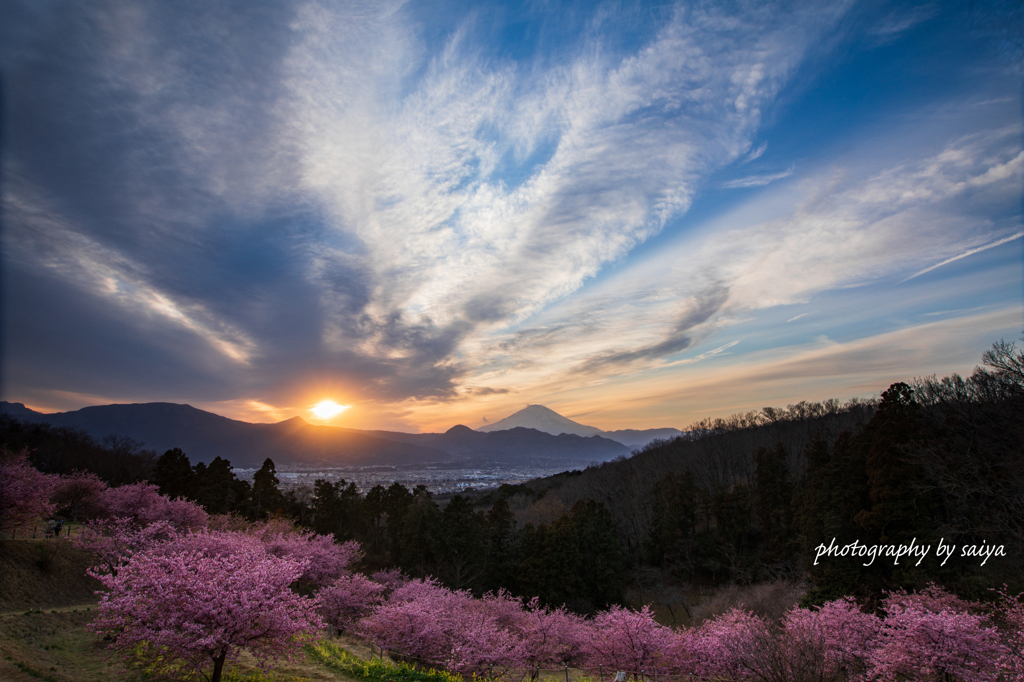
(143, 504)
(135, 517)
(114, 541)
(182, 514)
(415, 621)
(831, 643)
(480, 643)
(427, 623)
(1009, 612)
(24, 491)
(391, 578)
(918, 643)
(932, 598)
(184, 611)
(723, 647)
(926, 635)
(844, 635)
(551, 636)
(326, 560)
(134, 501)
(348, 599)
(207, 543)
(79, 493)
(632, 641)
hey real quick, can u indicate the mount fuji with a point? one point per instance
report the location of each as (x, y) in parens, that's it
(547, 420)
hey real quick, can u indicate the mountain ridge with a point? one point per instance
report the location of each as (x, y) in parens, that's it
(205, 435)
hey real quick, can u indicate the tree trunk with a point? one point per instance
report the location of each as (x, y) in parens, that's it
(218, 666)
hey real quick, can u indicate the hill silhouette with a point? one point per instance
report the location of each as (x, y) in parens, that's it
(204, 435)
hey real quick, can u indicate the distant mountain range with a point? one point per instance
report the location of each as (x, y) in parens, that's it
(547, 420)
(204, 435)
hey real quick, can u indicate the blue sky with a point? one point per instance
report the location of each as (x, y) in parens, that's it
(636, 214)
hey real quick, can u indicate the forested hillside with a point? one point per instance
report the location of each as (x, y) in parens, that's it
(749, 498)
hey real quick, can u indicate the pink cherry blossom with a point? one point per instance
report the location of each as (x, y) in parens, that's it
(193, 610)
(1009, 613)
(326, 560)
(414, 621)
(205, 542)
(844, 633)
(80, 493)
(426, 622)
(918, 643)
(725, 647)
(114, 541)
(348, 599)
(623, 639)
(143, 503)
(552, 637)
(133, 501)
(24, 491)
(932, 598)
(390, 578)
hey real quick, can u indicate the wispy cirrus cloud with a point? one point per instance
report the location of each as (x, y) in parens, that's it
(628, 139)
(107, 273)
(801, 315)
(965, 254)
(325, 188)
(757, 153)
(900, 20)
(756, 180)
(824, 368)
(845, 228)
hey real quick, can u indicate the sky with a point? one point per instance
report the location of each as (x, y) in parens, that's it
(637, 214)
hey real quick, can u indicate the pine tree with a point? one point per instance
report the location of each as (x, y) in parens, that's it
(266, 496)
(773, 495)
(674, 522)
(419, 526)
(396, 501)
(174, 476)
(459, 544)
(502, 564)
(903, 506)
(217, 488)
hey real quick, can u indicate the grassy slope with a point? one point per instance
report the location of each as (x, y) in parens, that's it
(44, 574)
(52, 646)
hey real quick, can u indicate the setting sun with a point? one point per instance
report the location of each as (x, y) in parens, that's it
(326, 409)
